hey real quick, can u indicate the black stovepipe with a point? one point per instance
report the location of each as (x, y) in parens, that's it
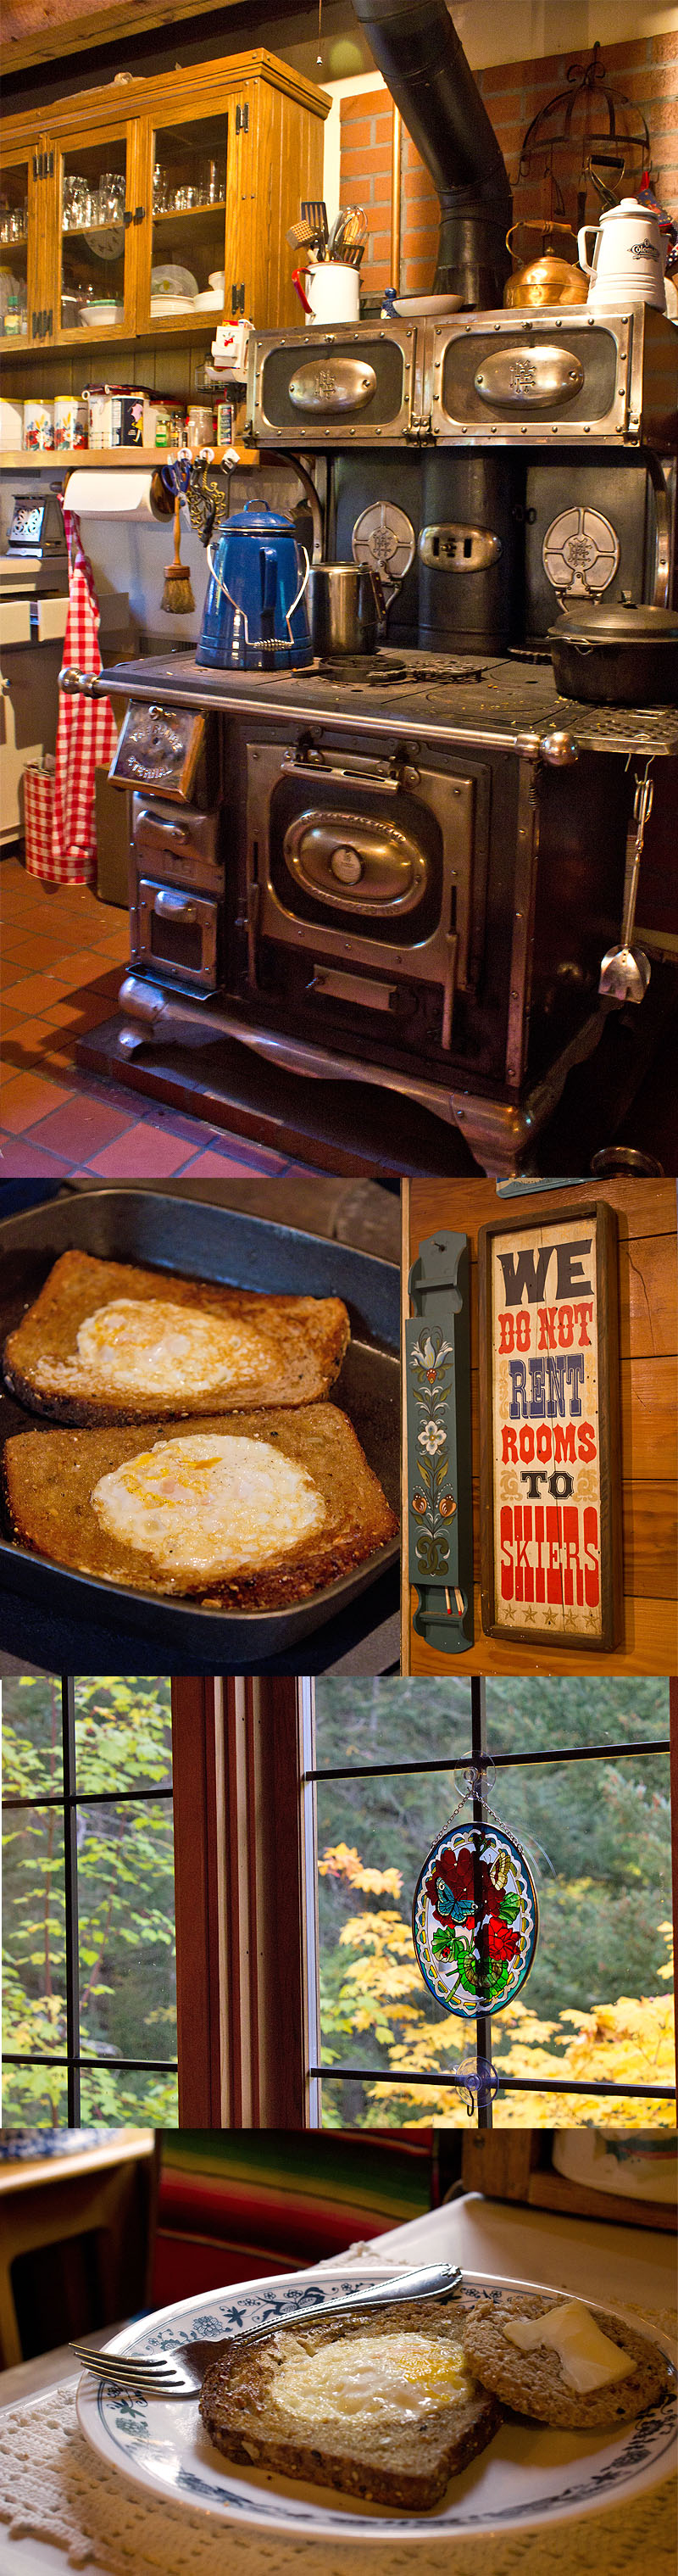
(417, 48)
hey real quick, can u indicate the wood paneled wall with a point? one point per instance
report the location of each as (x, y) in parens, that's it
(648, 1323)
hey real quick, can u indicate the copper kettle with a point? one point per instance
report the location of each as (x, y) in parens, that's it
(547, 278)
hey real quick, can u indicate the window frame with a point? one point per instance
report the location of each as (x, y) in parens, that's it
(483, 2114)
(247, 1959)
(66, 1801)
(246, 1902)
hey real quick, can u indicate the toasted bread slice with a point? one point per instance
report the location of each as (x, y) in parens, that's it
(280, 1522)
(325, 2402)
(197, 1349)
(533, 2383)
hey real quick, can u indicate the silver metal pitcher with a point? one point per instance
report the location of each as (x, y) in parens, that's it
(346, 608)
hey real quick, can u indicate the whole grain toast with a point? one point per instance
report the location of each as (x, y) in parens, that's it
(403, 2465)
(533, 2383)
(49, 1478)
(303, 1341)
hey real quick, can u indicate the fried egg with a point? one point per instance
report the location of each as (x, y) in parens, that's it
(148, 1347)
(209, 1504)
(380, 2379)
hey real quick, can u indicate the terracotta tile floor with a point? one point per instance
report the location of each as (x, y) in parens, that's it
(62, 958)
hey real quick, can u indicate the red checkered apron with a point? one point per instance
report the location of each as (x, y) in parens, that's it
(86, 731)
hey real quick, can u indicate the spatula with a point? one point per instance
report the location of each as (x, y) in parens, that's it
(314, 211)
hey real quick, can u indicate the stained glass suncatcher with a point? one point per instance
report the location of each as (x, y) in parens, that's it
(475, 1919)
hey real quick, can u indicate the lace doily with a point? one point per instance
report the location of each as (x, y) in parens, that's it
(53, 2490)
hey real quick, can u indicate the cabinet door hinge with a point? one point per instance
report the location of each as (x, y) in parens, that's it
(238, 298)
(242, 119)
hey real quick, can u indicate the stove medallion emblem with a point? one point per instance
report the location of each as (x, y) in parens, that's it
(524, 376)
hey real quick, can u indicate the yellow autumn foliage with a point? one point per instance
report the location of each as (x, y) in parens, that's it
(627, 2042)
(341, 1862)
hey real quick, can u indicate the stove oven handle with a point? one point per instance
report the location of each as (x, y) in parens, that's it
(179, 907)
(166, 831)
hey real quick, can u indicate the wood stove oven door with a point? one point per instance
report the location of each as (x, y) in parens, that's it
(360, 869)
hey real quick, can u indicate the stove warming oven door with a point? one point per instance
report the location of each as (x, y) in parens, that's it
(361, 900)
(176, 895)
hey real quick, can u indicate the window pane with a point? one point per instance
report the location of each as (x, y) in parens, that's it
(392, 1721)
(31, 1736)
(584, 2110)
(123, 1735)
(126, 1915)
(128, 2100)
(33, 1933)
(531, 1716)
(34, 2097)
(598, 2001)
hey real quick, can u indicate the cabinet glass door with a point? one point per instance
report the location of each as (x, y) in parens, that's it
(188, 220)
(19, 315)
(94, 220)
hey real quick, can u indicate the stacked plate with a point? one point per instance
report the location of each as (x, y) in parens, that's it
(173, 292)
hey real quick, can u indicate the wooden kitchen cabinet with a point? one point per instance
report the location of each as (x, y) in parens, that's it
(200, 172)
(21, 250)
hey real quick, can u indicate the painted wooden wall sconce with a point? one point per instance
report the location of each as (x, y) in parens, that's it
(440, 1495)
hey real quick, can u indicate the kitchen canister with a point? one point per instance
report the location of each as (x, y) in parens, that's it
(71, 428)
(38, 423)
(116, 415)
(199, 425)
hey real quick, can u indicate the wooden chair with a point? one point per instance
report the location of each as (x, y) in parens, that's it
(76, 2238)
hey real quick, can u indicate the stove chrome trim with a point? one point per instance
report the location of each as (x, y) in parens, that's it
(316, 347)
(524, 898)
(351, 385)
(500, 1133)
(532, 383)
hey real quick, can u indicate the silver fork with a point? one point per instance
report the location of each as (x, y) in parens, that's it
(167, 2375)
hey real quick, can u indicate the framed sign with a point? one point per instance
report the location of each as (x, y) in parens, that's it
(549, 1425)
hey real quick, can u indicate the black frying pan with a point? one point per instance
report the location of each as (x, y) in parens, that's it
(237, 1250)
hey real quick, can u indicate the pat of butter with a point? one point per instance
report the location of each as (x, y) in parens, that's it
(588, 2358)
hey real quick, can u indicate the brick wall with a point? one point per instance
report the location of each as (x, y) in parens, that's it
(647, 71)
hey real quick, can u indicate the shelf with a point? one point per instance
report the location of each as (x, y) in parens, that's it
(69, 460)
(169, 214)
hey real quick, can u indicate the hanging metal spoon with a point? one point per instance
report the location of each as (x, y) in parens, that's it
(625, 971)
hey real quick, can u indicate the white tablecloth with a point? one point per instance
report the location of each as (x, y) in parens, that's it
(60, 2507)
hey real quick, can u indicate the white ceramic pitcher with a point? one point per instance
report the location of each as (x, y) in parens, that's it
(627, 265)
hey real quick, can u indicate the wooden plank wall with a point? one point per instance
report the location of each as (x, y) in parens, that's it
(648, 1301)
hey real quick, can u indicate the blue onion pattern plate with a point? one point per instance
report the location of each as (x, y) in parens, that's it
(527, 2475)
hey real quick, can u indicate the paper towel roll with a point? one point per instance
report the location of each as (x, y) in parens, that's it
(122, 493)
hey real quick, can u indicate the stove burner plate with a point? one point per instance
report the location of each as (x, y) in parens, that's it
(384, 671)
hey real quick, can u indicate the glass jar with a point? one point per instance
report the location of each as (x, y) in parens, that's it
(199, 425)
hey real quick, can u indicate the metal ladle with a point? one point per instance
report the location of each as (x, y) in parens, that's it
(625, 971)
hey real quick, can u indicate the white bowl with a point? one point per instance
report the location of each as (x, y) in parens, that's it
(414, 308)
(209, 302)
(172, 305)
(98, 317)
(218, 280)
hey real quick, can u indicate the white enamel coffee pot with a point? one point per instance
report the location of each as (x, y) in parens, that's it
(627, 264)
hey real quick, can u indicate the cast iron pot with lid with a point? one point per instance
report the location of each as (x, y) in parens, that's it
(617, 653)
